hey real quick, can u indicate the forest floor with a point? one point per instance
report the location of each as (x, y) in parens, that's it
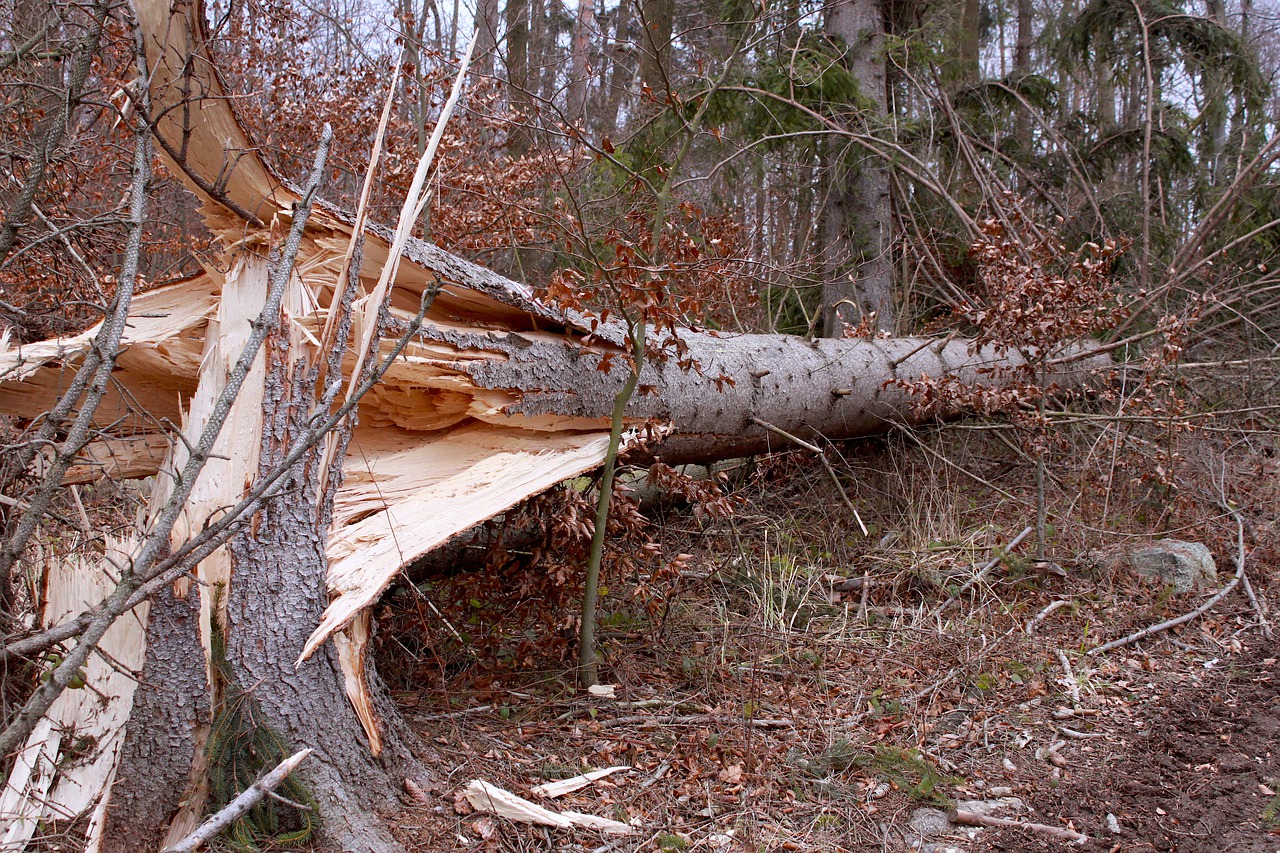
(760, 708)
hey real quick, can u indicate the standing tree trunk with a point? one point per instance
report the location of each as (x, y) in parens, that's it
(657, 20)
(623, 69)
(965, 69)
(580, 74)
(1214, 110)
(856, 229)
(486, 36)
(1022, 70)
(519, 98)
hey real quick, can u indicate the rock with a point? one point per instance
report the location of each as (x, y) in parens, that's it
(1185, 566)
(926, 822)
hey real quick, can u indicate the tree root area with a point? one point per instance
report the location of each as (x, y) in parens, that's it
(1195, 777)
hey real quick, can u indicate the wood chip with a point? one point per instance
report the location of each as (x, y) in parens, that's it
(494, 800)
(565, 786)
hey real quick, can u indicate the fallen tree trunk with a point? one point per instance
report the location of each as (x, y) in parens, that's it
(485, 418)
(493, 398)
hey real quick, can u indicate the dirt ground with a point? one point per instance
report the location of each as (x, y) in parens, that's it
(1194, 774)
(1189, 764)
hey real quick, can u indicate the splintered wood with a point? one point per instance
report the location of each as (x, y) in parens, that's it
(485, 797)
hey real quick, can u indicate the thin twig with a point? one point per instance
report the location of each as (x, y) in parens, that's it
(692, 720)
(963, 470)
(479, 709)
(826, 463)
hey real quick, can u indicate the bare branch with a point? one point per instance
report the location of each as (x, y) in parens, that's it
(231, 812)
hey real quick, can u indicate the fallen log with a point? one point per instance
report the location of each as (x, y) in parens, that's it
(488, 415)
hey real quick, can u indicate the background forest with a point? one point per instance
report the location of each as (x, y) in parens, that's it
(1018, 173)
(854, 149)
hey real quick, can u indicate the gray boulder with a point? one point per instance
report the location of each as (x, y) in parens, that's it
(1185, 566)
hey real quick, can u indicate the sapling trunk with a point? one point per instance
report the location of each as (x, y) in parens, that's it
(588, 665)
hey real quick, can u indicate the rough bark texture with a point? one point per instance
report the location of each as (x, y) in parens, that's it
(166, 727)
(834, 388)
(658, 18)
(276, 597)
(855, 220)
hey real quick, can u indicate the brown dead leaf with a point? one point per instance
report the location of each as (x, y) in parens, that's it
(460, 804)
(731, 774)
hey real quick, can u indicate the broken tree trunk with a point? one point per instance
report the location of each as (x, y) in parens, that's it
(493, 398)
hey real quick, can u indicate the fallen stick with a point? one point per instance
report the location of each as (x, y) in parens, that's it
(490, 798)
(974, 819)
(1072, 684)
(1043, 614)
(228, 815)
(452, 715)
(568, 786)
(693, 720)
(982, 573)
(1186, 617)
(1259, 607)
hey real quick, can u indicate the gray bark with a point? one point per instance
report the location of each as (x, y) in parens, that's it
(171, 702)
(832, 388)
(855, 228)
